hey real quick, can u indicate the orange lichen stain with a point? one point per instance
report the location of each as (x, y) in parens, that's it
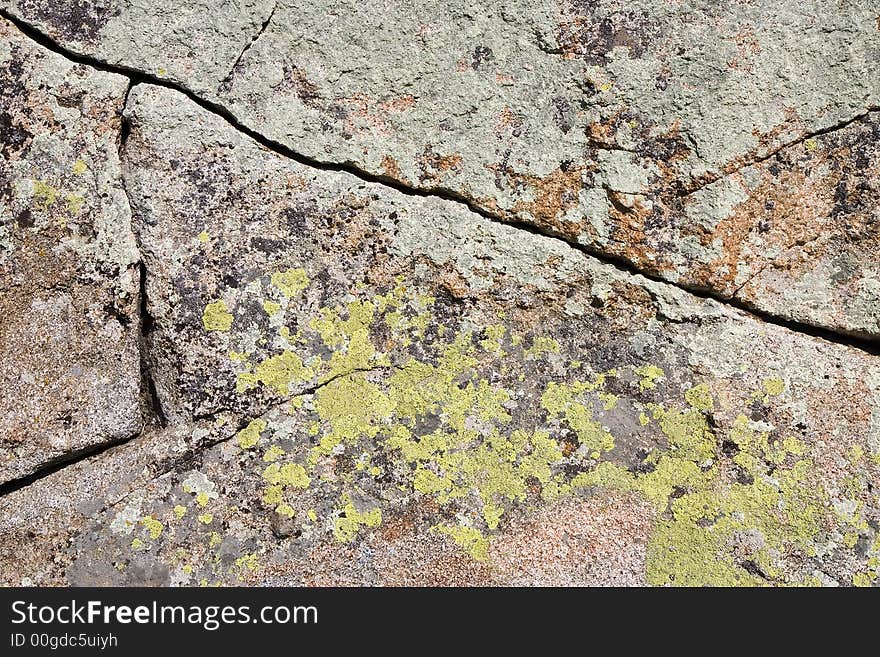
(397, 104)
(365, 114)
(435, 167)
(783, 211)
(507, 120)
(391, 168)
(552, 196)
(453, 282)
(771, 139)
(747, 47)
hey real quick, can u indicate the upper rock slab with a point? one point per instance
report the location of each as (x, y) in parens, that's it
(69, 362)
(631, 129)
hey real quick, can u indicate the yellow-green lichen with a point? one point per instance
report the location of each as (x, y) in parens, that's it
(250, 435)
(74, 204)
(278, 373)
(273, 454)
(271, 307)
(289, 474)
(216, 316)
(44, 195)
(153, 526)
(774, 385)
(290, 282)
(347, 525)
(542, 345)
(248, 562)
(443, 430)
(472, 540)
(79, 167)
(700, 398)
(649, 374)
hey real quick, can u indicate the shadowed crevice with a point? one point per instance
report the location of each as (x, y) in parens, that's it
(867, 345)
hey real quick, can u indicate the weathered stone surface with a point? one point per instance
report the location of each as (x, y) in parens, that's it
(604, 122)
(369, 387)
(69, 358)
(342, 374)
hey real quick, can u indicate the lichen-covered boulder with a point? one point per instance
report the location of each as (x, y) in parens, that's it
(369, 387)
(556, 293)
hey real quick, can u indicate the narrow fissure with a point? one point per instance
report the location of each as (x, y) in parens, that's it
(136, 77)
(226, 83)
(65, 461)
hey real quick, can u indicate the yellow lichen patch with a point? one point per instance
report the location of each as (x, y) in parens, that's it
(202, 499)
(700, 398)
(348, 338)
(349, 523)
(273, 454)
(206, 518)
(74, 204)
(289, 474)
(649, 374)
(271, 307)
(279, 372)
(558, 400)
(352, 407)
(290, 282)
(250, 435)
(541, 346)
(179, 511)
(153, 526)
(494, 335)
(701, 514)
(204, 237)
(774, 385)
(138, 545)
(733, 501)
(247, 562)
(79, 167)
(44, 195)
(216, 317)
(472, 540)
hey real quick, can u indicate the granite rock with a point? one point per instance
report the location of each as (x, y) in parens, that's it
(69, 355)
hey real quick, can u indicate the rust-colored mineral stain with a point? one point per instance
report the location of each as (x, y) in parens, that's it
(435, 167)
(552, 195)
(781, 212)
(391, 168)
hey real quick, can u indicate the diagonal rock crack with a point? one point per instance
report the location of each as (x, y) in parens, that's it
(730, 170)
(137, 77)
(226, 83)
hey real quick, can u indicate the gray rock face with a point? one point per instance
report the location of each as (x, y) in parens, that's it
(68, 276)
(627, 128)
(414, 363)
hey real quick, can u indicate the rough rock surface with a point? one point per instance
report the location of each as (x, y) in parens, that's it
(69, 333)
(606, 123)
(360, 360)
